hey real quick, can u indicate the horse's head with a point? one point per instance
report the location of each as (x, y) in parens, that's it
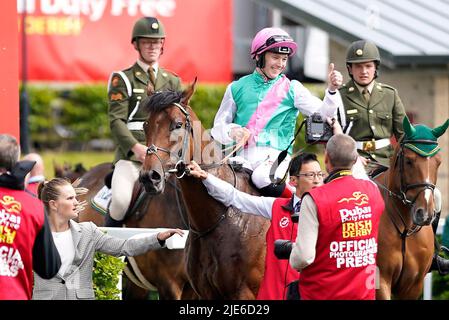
(414, 169)
(168, 131)
(66, 171)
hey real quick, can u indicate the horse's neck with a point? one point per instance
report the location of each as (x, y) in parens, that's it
(202, 209)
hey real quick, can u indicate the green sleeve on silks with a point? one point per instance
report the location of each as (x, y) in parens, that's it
(119, 110)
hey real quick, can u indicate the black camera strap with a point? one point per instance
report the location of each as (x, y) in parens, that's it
(281, 158)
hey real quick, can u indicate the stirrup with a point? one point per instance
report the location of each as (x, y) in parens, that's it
(444, 249)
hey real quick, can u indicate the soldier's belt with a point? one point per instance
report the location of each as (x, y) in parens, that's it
(372, 145)
(135, 125)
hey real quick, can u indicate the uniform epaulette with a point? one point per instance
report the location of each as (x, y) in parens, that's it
(128, 69)
(171, 72)
(383, 85)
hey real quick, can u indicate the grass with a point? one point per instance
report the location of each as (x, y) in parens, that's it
(87, 159)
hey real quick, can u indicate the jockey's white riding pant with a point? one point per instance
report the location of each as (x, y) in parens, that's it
(125, 175)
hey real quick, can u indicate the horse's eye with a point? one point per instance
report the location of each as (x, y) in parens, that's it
(175, 125)
(409, 162)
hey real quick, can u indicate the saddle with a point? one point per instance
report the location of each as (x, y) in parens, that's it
(101, 201)
(374, 169)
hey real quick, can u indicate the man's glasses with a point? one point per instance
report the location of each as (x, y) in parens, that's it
(312, 175)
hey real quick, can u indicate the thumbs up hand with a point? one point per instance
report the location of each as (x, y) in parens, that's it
(335, 79)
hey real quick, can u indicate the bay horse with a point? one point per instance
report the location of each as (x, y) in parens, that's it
(406, 238)
(164, 269)
(225, 250)
(67, 171)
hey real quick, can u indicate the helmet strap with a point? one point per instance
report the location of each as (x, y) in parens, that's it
(260, 63)
(263, 72)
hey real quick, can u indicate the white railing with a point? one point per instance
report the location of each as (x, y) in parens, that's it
(174, 242)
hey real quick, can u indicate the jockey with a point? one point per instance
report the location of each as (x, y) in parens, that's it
(260, 109)
(126, 89)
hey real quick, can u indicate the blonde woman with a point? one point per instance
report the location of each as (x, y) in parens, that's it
(78, 242)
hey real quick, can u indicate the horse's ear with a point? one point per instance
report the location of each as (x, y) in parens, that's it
(58, 168)
(188, 93)
(439, 131)
(408, 128)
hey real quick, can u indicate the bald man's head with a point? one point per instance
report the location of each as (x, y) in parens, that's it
(38, 169)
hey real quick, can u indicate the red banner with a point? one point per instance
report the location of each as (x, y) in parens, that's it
(9, 93)
(85, 40)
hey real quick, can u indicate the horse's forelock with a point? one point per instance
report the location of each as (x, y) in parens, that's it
(161, 100)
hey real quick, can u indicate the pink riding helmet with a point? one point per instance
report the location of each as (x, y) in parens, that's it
(269, 38)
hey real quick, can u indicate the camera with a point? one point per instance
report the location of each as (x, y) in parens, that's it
(317, 129)
(282, 249)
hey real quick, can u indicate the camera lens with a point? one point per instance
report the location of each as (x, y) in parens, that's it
(282, 249)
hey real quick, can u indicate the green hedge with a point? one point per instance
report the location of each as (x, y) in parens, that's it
(105, 276)
(79, 114)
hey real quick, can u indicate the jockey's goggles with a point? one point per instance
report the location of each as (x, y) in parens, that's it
(276, 39)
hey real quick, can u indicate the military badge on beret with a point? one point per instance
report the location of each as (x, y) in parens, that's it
(155, 25)
(359, 52)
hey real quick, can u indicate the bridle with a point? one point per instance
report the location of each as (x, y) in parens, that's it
(180, 168)
(402, 196)
(403, 187)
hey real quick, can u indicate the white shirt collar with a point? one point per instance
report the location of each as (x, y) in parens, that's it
(369, 87)
(295, 200)
(145, 66)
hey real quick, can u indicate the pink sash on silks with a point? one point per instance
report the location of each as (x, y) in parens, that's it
(266, 108)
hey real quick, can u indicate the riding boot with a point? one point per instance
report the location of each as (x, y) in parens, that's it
(110, 222)
(276, 190)
(439, 263)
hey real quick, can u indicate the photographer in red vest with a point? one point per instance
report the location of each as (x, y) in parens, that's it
(305, 174)
(26, 243)
(336, 244)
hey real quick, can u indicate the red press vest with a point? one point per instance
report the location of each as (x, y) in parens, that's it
(278, 273)
(344, 268)
(21, 218)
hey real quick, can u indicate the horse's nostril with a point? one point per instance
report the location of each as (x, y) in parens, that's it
(155, 176)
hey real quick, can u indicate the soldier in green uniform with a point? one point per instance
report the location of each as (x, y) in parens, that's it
(373, 113)
(126, 89)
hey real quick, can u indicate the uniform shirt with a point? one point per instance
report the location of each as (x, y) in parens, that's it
(126, 91)
(145, 66)
(380, 118)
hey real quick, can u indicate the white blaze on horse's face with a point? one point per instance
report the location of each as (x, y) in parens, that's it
(428, 193)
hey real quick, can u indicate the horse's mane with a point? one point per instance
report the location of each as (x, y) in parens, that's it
(161, 100)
